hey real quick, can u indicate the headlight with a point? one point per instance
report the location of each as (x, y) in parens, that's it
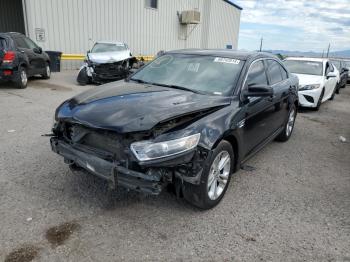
(309, 87)
(147, 150)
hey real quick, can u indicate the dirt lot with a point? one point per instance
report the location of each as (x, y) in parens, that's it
(293, 206)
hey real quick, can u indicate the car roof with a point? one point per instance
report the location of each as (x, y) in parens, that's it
(110, 42)
(311, 59)
(10, 34)
(229, 53)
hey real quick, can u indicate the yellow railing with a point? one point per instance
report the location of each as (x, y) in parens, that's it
(82, 57)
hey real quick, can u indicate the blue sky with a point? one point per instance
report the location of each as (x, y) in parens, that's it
(295, 25)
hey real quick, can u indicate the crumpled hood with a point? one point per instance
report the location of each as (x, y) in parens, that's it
(129, 107)
(309, 79)
(109, 57)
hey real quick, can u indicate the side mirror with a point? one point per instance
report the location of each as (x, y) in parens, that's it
(258, 90)
(331, 74)
(38, 50)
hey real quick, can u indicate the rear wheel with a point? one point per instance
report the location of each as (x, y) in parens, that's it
(21, 80)
(214, 180)
(47, 72)
(289, 126)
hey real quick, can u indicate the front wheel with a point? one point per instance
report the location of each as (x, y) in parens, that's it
(214, 180)
(47, 72)
(289, 126)
(319, 101)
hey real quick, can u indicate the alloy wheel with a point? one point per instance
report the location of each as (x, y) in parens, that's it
(24, 78)
(218, 175)
(290, 123)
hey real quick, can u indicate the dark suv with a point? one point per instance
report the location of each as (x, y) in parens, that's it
(189, 118)
(343, 73)
(21, 58)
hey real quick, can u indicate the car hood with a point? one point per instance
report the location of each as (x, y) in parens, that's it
(109, 57)
(309, 79)
(130, 107)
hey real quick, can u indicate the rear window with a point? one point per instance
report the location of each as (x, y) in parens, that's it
(3, 43)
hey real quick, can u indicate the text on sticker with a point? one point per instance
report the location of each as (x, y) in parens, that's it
(226, 60)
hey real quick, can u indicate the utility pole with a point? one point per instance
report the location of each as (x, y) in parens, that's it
(329, 46)
(261, 42)
(322, 53)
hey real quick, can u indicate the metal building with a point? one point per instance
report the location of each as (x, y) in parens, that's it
(147, 26)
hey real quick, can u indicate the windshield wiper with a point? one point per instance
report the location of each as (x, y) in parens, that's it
(141, 81)
(180, 88)
(170, 86)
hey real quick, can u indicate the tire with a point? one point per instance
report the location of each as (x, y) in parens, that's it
(319, 101)
(47, 73)
(333, 94)
(206, 196)
(289, 125)
(83, 79)
(21, 79)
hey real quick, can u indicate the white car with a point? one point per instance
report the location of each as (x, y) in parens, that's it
(317, 79)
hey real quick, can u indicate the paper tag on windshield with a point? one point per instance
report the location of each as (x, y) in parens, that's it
(226, 60)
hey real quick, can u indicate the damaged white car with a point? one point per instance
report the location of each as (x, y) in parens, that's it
(106, 62)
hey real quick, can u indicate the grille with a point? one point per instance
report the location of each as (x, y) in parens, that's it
(310, 99)
(103, 140)
(110, 69)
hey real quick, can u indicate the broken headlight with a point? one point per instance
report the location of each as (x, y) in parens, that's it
(147, 150)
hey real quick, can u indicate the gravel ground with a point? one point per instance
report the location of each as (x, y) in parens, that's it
(293, 206)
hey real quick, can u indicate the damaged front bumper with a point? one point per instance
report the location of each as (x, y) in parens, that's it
(185, 168)
(111, 171)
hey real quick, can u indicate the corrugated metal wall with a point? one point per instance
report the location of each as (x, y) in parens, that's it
(11, 16)
(72, 26)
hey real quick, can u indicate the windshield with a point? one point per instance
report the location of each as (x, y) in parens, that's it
(304, 67)
(104, 47)
(199, 73)
(336, 63)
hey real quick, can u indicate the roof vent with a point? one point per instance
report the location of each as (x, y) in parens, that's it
(190, 17)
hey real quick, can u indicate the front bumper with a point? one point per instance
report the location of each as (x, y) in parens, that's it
(309, 98)
(109, 170)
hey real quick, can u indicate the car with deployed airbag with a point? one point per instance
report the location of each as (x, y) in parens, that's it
(187, 120)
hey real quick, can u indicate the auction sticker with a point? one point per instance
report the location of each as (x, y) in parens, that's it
(226, 60)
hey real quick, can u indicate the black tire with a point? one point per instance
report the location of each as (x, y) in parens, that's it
(286, 133)
(83, 79)
(334, 91)
(319, 101)
(21, 80)
(47, 72)
(198, 195)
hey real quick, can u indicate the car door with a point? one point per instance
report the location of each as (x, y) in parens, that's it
(40, 60)
(258, 110)
(278, 80)
(23, 47)
(330, 82)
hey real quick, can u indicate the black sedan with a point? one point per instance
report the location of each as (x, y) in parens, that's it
(343, 73)
(188, 120)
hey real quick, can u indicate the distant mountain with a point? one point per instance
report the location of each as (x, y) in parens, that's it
(343, 54)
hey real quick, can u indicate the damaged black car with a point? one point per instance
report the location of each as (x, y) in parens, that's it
(187, 120)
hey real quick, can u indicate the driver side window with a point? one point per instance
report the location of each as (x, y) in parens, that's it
(257, 74)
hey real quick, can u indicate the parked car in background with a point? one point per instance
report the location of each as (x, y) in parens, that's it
(317, 79)
(21, 58)
(347, 66)
(343, 72)
(107, 61)
(189, 119)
